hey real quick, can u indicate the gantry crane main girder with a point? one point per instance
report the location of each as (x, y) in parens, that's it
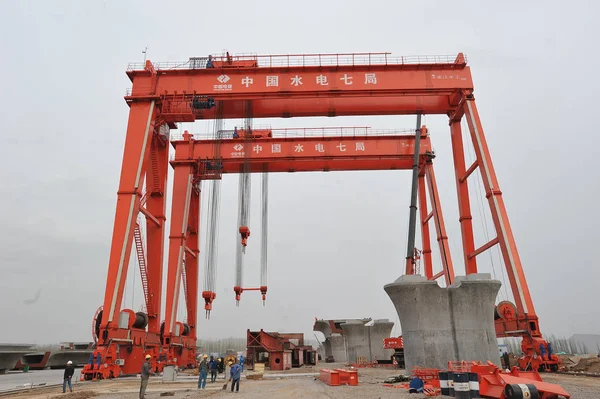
(281, 86)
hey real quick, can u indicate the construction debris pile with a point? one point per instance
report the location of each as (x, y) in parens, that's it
(580, 364)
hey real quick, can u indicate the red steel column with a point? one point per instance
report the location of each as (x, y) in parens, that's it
(440, 227)
(137, 145)
(191, 261)
(464, 205)
(156, 187)
(182, 193)
(425, 236)
(512, 261)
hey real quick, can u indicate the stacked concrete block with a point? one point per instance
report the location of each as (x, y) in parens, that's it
(446, 324)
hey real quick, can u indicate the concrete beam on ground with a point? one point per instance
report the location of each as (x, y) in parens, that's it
(10, 354)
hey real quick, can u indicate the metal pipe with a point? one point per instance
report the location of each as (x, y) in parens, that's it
(413, 196)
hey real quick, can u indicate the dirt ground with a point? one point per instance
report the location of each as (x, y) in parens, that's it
(279, 385)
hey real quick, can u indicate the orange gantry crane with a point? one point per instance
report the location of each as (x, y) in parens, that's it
(279, 86)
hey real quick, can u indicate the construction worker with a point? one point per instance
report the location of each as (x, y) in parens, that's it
(228, 368)
(236, 374)
(222, 365)
(214, 368)
(242, 362)
(69, 370)
(506, 360)
(203, 368)
(146, 371)
(209, 63)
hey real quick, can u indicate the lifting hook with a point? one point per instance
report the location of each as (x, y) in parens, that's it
(244, 233)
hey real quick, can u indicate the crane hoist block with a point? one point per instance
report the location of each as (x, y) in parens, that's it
(245, 233)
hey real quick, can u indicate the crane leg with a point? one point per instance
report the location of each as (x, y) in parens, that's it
(438, 219)
(506, 239)
(425, 236)
(464, 205)
(537, 351)
(191, 266)
(140, 129)
(182, 195)
(156, 183)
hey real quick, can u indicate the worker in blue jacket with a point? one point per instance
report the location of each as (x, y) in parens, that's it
(214, 369)
(236, 374)
(203, 368)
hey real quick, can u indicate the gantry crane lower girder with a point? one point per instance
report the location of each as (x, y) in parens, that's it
(278, 86)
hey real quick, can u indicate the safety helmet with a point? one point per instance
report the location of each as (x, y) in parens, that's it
(148, 357)
(69, 362)
(205, 356)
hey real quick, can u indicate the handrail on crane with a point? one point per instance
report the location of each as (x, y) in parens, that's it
(329, 131)
(308, 60)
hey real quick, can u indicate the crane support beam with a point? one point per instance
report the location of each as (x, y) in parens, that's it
(182, 197)
(304, 154)
(504, 232)
(484, 248)
(191, 265)
(155, 206)
(137, 148)
(150, 216)
(393, 86)
(189, 251)
(425, 237)
(438, 220)
(464, 204)
(176, 110)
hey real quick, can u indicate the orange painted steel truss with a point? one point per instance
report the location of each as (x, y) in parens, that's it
(279, 86)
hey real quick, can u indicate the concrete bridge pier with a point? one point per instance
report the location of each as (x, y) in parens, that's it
(338, 347)
(446, 324)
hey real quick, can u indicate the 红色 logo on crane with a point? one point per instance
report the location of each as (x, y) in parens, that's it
(223, 78)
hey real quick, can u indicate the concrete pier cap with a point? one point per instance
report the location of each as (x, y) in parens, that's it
(381, 329)
(446, 324)
(322, 326)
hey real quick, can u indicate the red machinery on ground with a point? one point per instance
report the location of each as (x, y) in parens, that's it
(278, 86)
(397, 345)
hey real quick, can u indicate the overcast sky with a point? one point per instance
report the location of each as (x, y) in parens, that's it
(335, 238)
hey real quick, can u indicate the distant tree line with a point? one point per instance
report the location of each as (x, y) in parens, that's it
(220, 346)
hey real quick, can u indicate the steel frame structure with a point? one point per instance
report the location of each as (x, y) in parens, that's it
(280, 86)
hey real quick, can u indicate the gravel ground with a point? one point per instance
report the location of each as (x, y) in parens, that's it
(282, 386)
